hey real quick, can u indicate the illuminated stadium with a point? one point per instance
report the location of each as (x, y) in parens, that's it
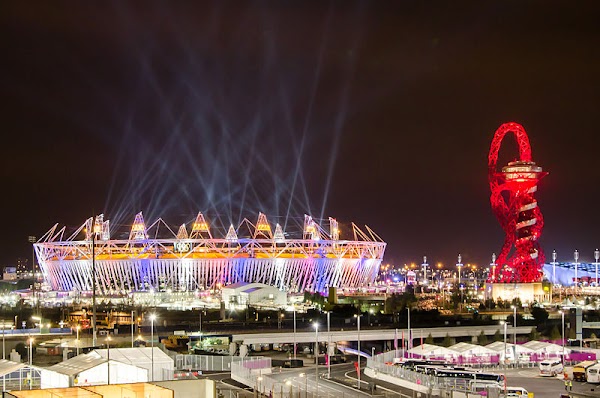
(155, 258)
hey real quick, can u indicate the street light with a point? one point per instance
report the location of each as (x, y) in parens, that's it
(328, 345)
(504, 323)
(96, 229)
(576, 257)
(358, 357)
(316, 325)
(78, 342)
(152, 318)
(514, 307)
(3, 346)
(33, 239)
(554, 267)
(294, 330)
(596, 257)
(258, 380)
(562, 315)
(108, 359)
(30, 351)
(305, 384)
(132, 327)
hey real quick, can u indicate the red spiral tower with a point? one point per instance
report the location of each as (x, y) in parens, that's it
(512, 198)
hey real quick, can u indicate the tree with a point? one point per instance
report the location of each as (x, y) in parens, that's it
(429, 339)
(447, 341)
(534, 334)
(482, 339)
(540, 315)
(22, 350)
(554, 333)
(497, 335)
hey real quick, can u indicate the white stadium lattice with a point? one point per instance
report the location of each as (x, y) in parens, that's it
(196, 260)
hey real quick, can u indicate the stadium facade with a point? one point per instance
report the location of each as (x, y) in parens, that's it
(190, 261)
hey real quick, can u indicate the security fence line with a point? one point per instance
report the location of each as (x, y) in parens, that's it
(203, 362)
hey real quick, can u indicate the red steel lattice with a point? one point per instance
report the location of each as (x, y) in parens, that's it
(512, 199)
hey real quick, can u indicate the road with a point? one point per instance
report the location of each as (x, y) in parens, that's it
(545, 387)
(343, 382)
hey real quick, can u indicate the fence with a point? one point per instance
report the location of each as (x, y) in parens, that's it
(255, 372)
(203, 362)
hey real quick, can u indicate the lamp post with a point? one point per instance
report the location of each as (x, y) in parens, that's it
(108, 359)
(77, 341)
(409, 337)
(576, 257)
(514, 307)
(425, 265)
(30, 351)
(33, 239)
(358, 356)
(258, 380)
(562, 315)
(505, 359)
(3, 346)
(328, 345)
(303, 375)
(554, 267)
(459, 265)
(294, 331)
(493, 266)
(152, 318)
(94, 335)
(200, 315)
(316, 325)
(596, 257)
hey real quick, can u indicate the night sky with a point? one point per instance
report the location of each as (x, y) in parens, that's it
(380, 113)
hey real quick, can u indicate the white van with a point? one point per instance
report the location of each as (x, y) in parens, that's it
(516, 392)
(551, 367)
(593, 373)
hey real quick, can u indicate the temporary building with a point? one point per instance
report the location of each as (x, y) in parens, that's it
(90, 369)
(430, 350)
(520, 350)
(544, 348)
(16, 375)
(159, 365)
(471, 349)
(113, 390)
(242, 294)
(474, 354)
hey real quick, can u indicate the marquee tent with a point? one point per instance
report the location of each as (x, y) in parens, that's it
(149, 358)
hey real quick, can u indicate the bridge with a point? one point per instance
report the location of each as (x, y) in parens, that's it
(376, 334)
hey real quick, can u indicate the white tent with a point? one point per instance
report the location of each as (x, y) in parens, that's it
(149, 358)
(468, 349)
(90, 369)
(543, 348)
(521, 350)
(430, 350)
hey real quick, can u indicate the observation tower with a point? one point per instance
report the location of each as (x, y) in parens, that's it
(521, 258)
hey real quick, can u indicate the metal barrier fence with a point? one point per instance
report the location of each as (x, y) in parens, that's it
(255, 373)
(203, 362)
(383, 363)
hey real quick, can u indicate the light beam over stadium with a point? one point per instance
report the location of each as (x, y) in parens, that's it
(156, 258)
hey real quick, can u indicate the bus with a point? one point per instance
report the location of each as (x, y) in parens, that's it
(593, 373)
(551, 367)
(579, 370)
(468, 376)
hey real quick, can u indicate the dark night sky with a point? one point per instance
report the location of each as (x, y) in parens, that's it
(380, 113)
